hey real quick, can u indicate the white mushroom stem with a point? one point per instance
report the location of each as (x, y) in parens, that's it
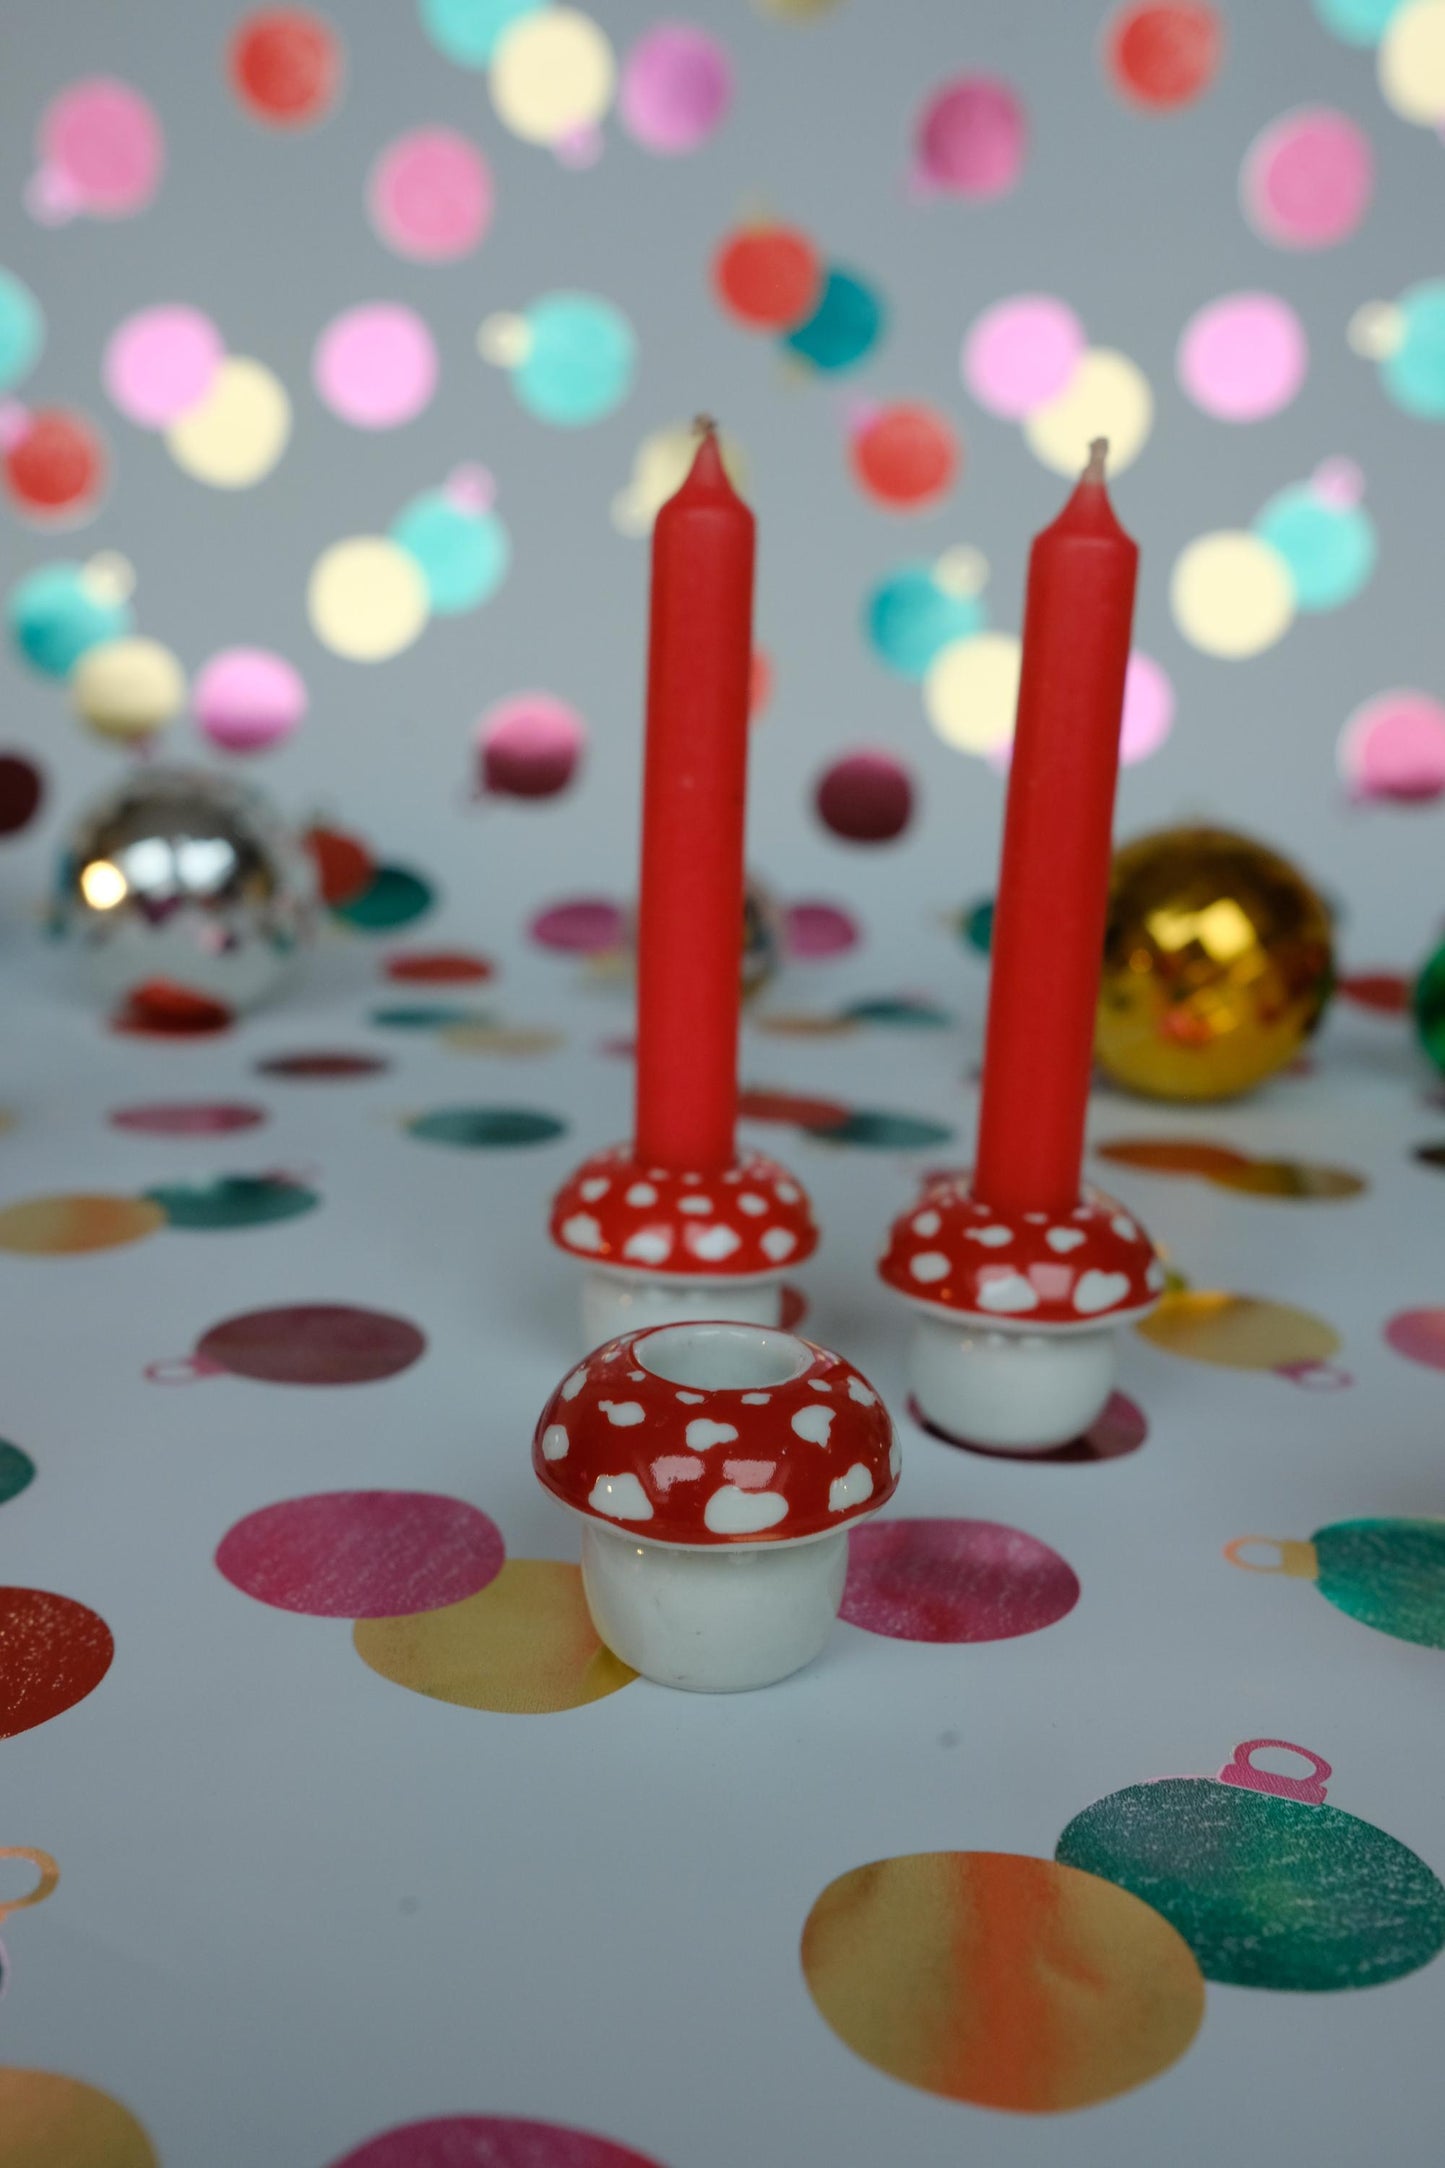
(615, 1301)
(1007, 1387)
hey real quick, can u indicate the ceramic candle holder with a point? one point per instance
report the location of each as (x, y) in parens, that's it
(716, 1468)
(1016, 1317)
(662, 1246)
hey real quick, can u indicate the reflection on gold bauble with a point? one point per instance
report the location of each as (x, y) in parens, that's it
(1217, 965)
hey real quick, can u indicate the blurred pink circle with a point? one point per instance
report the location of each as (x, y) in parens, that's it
(971, 137)
(582, 926)
(1393, 749)
(866, 797)
(247, 700)
(1022, 353)
(815, 929)
(362, 1554)
(430, 195)
(102, 147)
(530, 745)
(376, 366)
(1243, 357)
(677, 85)
(162, 362)
(1308, 179)
(1148, 709)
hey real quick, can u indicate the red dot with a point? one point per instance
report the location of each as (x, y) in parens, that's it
(769, 277)
(286, 66)
(866, 797)
(161, 1009)
(760, 684)
(906, 456)
(1167, 55)
(344, 867)
(57, 465)
(438, 967)
(21, 791)
(56, 1652)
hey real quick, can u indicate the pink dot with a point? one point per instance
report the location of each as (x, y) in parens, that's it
(1022, 353)
(362, 1554)
(246, 699)
(1148, 709)
(490, 2141)
(971, 138)
(814, 930)
(162, 362)
(376, 365)
(102, 143)
(1419, 1335)
(1243, 357)
(1393, 749)
(1308, 179)
(530, 746)
(866, 797)
(431, 195)
(677, 85)
(187, 1117)
(584, 926)
(954, 1581)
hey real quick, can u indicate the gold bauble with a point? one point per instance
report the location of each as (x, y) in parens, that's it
(1217, 965)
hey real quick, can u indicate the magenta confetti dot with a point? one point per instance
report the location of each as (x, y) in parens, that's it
(1244, 357)
(1148, 709)
(246, 699)
(101, 149)
(490, 2141)
(1419, 1335)
(1393, 749)
(430, 195)
(867, 797)
(188, 1118)
(376, 366)
(812, 931)
(971, 138)
(583, 926)
(954, 1581)
(323, 1066)
(1308, 179)
(362, 1554)
(1022, 353)
(677, 85)
(310, 1343)
(530, 745)
(162, 362)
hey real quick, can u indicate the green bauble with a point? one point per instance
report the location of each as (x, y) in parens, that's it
(1389, 1574)
(1428, 1005)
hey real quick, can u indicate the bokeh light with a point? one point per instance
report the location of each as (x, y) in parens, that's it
(1022, 353)
(161, 362)
(659, 469)
(22, 330)
(1411, 62)
(1307, 180)
(1107, 396)
(1412, 362)
(59, 611)
(572, 357)
(1326, 538)
(845, 326)
(913, 613)
(1164, 54)
(768, 277)
(905, 456)
(553, 74)
(248, 700)
(235, 436)
(366, 598)
(1243, 357)
(1358, 22)
(461, 546)
(286, 66)
(1392, 749)
(971, 692)
(55, 466)
(971, 139)
(1231, 594)
(529, 746)
(102, 153)
(128, 688)
(676, 88)
(865, 797)
(467, 31)
(430, 195)
(1148, 709)
(375, 366)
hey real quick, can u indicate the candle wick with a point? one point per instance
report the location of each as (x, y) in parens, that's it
(1098, 460)
(705, 425)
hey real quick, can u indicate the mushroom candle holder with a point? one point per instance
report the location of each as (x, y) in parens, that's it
(717, 1469)
(1017, 1314)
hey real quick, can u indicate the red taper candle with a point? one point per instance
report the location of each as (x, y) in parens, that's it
(689, 939)
(1048, 931)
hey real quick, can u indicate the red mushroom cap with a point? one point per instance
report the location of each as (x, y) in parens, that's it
(1032, 1270)
(750, 1221)
(797, 1446)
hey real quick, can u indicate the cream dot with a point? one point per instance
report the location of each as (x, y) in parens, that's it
(1107, 396)
(236, 434)
(971, 692)
(367, 598)
(1231, 594)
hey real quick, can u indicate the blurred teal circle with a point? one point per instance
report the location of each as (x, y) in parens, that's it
(1330, 548)
(845, 326)
(467, 31)
(54, 615)
(22, 330)
(1358, 22)
(464, 555)
(1414, 375)
(580, 360)
(908, 618)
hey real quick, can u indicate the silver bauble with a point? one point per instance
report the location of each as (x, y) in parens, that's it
(187, 877)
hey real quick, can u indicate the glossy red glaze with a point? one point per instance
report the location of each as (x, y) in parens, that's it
(617, 1210)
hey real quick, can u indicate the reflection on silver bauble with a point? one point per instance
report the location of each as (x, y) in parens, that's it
(762, 938)
(184, 876)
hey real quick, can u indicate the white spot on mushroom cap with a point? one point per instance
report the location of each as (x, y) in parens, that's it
(555, 1442)
(751, 1203)
(1036, 1219)
(1155, 1277)
(713, 1244)
(788, 1191)
(992, 1238)
(895, 1459)
(850, 1489)
(1098, 1291)
(1010, 1292)
(692, 1180)
(702, 1432)
(701, 1205)
(641, 1193)
(572, 1386)
(693, 1399)
(927, 1223)
(1063, 1239)
(649, 1246)
(756, 1400)
(624, 1413)
(863, 1394)
(928, 1266)
(778, 1243)
(734, 1512)
(621, 1498)
(819, 1385)
(813, 1424)
(1124, 1228)
(596, 1185)
(582, 1232)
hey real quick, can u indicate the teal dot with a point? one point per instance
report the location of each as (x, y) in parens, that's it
(900, 1013)
(976, 925)
(427, 1016)
(464, 556)
(846, 325)
(1414, 375)
(580, 359)
(396, 896)
(467, 30)
(482, 1128)
(22, 330)
(233, 1200)
(1358, 22)
(882, 1132)
(54, 617)
(17, 1470)
(908, 618)
(1330, 549)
